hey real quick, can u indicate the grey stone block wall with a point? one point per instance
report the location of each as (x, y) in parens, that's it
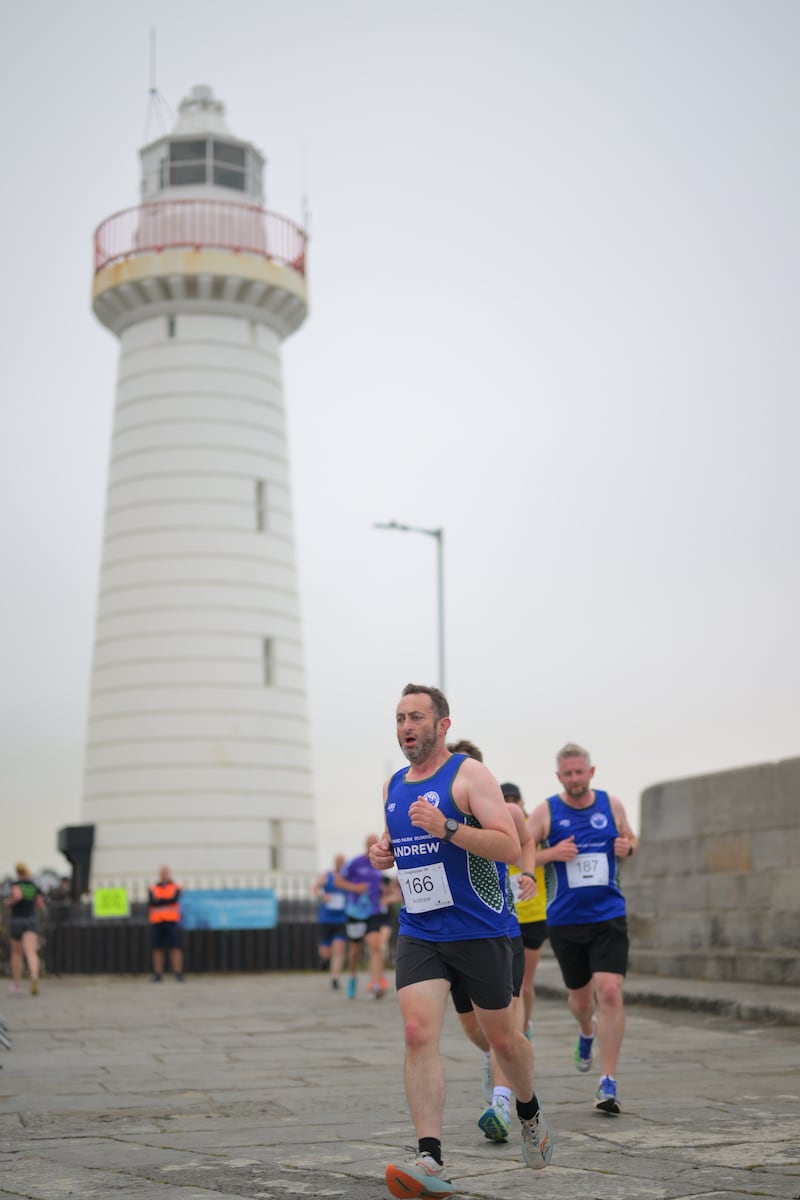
(714, 892)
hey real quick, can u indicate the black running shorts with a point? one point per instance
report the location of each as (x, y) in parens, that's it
(461, 1000)
(584, 950)
(330, 932)
(480, 967)
(358, 930)
(534, 934)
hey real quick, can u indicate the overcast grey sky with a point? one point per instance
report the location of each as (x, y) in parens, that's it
(554, 285)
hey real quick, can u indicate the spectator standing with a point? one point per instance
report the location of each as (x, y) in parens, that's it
(25, 901)
(163, 900)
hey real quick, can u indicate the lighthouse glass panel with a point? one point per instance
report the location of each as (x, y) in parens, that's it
(187, 163)
(229, 166)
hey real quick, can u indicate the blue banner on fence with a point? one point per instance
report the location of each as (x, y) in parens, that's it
(230, 908)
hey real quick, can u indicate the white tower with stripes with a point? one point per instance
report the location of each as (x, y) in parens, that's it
(198, 752)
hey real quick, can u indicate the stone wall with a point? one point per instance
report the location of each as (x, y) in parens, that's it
(714, 892)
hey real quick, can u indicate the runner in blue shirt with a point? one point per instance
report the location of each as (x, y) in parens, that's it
(584, 833)
(447, 828)
(331, 920)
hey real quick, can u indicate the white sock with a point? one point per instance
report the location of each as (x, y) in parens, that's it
(504, 1094)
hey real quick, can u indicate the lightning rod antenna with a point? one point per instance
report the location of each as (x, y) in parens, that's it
(158, 111)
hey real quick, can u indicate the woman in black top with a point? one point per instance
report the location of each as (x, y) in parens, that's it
(25, 901)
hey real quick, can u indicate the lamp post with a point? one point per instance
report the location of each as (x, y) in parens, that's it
(439, 535)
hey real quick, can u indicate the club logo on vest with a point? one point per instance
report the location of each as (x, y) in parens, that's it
(432, 798)
(598, 821)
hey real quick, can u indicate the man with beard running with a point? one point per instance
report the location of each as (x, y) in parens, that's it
(447, 827)
(585, 832)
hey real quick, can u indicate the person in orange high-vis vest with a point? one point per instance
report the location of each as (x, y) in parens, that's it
(163, 899)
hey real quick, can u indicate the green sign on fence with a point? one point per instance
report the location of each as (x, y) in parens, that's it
(110, 902)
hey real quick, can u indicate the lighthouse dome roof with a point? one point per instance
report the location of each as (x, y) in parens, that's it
(201, 112)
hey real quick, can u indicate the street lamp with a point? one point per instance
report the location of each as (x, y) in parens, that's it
(439, 535)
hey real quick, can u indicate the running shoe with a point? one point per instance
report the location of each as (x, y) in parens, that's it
(351, 987)
(335, 984)
(607, 1100)
(34, 987)
(582, 1054)
(423, 1178)
(379, 988)
(487, 1086)
(494, 1122)
(15, 989)
(537, 1143)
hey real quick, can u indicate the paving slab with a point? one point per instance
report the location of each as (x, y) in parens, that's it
(274, 1085)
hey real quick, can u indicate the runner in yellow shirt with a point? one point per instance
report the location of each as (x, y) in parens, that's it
(531, 915)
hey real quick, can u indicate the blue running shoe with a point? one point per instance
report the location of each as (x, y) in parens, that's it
(351, 987)
(582, 1053)
(494, 1122)
(607, 1100)
(537, 1143)
(424, 1178)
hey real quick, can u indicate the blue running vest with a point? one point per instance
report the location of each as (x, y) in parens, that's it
(585, 890)
(331, 912)
(449, 895)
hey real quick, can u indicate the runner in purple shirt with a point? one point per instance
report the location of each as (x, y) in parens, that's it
(364, 920)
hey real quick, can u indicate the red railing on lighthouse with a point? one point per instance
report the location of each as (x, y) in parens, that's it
(199, 225)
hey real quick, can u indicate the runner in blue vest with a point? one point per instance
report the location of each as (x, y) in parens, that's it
(447, 827)
(584, 832)
(331, 920)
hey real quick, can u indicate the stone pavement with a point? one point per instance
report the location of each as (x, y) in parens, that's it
(748, 1001)
(271, 1086)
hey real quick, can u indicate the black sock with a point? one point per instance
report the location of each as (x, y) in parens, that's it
(527, 1112)
(431, 1146)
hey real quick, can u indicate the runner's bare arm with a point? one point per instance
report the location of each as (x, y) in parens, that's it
(381, 854)
(539, 825)
(475, 792)
(627, 842)
(318, 886)
(527, 859)
(347, 886)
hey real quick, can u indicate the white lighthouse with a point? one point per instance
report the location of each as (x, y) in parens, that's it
(198, 750)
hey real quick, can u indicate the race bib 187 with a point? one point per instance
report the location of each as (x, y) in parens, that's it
(587, 870)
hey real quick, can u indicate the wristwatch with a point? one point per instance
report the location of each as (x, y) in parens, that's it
(450, 827)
